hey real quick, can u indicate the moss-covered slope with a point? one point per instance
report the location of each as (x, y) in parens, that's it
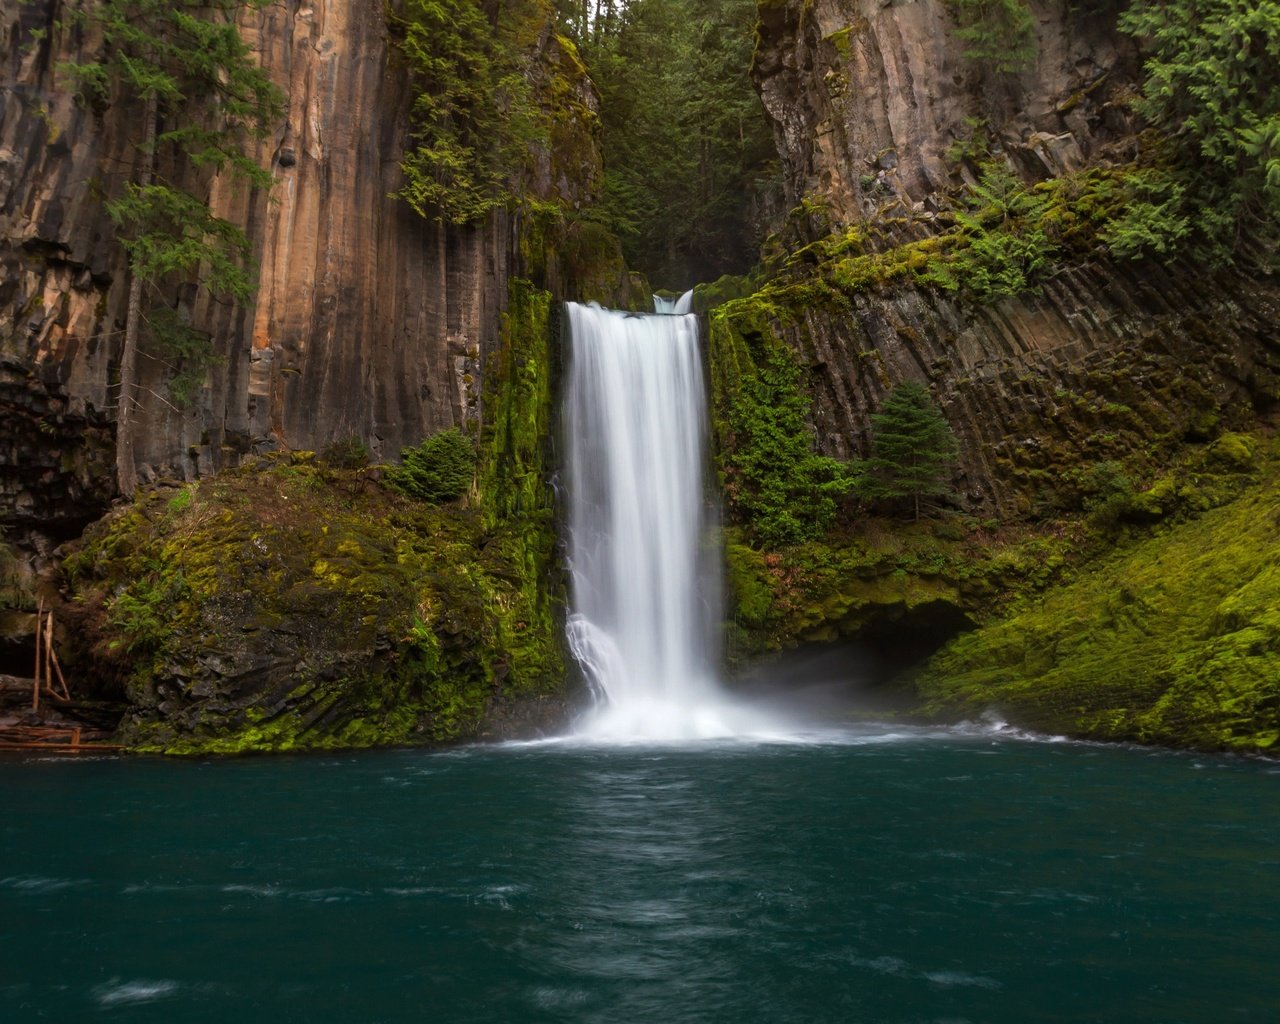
(293, 603)
(1173, 638)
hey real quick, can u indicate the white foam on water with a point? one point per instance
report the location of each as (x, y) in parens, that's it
(120, 993)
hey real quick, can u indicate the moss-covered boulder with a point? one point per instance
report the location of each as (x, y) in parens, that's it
(294, 606)
(909, 584)
(301, 602)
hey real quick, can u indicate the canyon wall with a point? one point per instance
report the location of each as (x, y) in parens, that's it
(867, 97)
(369, 320)
(1109, 361)
(1106, 360)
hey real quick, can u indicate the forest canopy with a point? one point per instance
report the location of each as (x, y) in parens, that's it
(690, 167)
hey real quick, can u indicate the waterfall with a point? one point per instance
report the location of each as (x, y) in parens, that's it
(644, 577)
(682, 305)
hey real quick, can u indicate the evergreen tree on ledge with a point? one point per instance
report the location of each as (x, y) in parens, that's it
(913, 450)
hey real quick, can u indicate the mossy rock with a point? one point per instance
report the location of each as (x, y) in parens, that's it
(1173, 639)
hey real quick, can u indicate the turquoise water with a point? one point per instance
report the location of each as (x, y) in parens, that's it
(914, 878)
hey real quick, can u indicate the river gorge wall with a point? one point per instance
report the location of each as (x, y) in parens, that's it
(867, 98)
(1105, 358)
(1129, 374)
(369, 321)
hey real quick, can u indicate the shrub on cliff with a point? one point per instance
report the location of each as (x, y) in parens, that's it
(774, 481)
(440, 469)
(912, 450)
(347, 453)
(473, 118)
(1004, 248)
(999, 33)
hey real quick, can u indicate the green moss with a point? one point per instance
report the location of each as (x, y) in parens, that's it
(1233, 453)
(1001, 237)
(707, 297)
(517, 422)
(1172, 639)
(840, 40)
(771, 477)
(875, 569)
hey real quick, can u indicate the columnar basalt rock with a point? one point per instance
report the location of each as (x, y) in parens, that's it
(368, 321)
(866, 97)
(1104, 361)
(1108, 360)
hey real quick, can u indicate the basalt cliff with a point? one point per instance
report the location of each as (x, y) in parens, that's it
(369, 321)
(1091, 407)
(1154, 379)
(873, 106)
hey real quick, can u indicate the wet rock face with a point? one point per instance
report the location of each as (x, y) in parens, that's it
(368, 321)
(56, 461)
(866, 97)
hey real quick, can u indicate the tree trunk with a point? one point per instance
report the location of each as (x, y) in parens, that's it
(126, 469)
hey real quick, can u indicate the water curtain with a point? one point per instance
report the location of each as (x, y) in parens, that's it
(644, 579)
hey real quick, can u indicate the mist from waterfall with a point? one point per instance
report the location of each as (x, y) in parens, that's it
(645, 574)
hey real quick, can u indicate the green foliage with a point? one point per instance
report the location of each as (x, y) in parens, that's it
(347, 453)
(1001, 33)
(167, 230)
(773, 481)
(687, 149)
(913, 450)
(440, 469)
(140, 612)
(474, 116)
(188, 54)
(972, 143)
(1006, 248)
(188, 65)
(1152, 219)
(190, 58)
(1110, 495)
(1213, 90)
(187, 351)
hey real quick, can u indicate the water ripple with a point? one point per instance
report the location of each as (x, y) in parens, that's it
(116, 992)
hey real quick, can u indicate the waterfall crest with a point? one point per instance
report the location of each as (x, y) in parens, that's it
(644, 579)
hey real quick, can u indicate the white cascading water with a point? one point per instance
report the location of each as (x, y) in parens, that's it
(645, 581)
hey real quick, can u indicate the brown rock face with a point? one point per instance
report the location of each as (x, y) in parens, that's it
(1107, 361)
(369, 320)
(864, 93)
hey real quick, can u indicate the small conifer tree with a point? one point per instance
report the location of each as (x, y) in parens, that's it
(1000, 33)
(912, 449)
(200, 98)
(440, 469)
